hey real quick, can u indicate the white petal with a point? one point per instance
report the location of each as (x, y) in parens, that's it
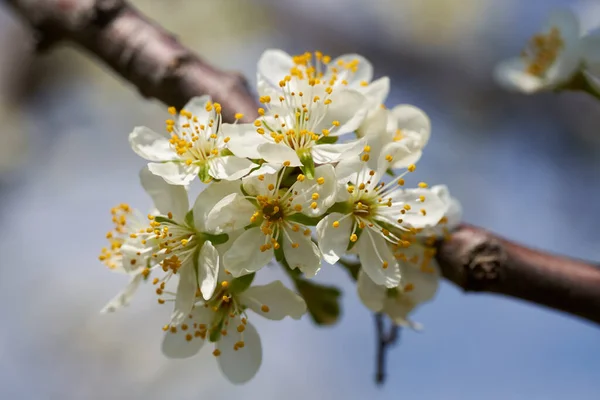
(402, 153)
(281, 302)
(174, 173)
(244, 140)
(167, 198)
(591, 52)
(230, 214)
(122, 299)
(333, 242)
(413, 119)
(135, 254)
(259, 185)
(511, 74)
(434, 207)
(566, 22)
(308, 188)
(197, 107)
(375, 124)
(186, 293)
(230, 168)
(349, 107)
(377, 91)
(454, 209)
(207, 199)
(177, 345)
(278, 154)
(244, 256)
(348, 169)
(374, 253)
(364, 71)
(424, 285)
(240, 365)
(150, 145)
(331, 153)
(300, 252)
(274, 65)
(208, 269)
(371, 294)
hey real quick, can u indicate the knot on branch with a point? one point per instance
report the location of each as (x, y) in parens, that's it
(484, 264)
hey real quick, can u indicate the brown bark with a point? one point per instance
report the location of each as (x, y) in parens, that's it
(159, 66)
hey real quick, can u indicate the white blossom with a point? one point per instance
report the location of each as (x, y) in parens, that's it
(552, 57)
(370, 214)
(176, 242)
(403, 123)
(223, 320)
(352, 71)
(274, 217)
(304, 116)
(196, 147)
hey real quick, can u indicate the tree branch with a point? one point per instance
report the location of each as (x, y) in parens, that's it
(159, 66)
(384, 341)
(137, 49)
(479, 261)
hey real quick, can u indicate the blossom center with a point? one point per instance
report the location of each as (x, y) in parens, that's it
(542, 51)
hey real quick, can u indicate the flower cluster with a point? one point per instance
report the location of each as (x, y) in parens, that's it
(557, 57)
(318, 176)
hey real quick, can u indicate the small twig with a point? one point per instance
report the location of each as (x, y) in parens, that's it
(384, 341)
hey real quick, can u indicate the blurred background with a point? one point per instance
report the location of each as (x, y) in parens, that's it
(526, 167)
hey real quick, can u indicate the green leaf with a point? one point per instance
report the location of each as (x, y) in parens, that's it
(327, 140)
(342, 207)
(203, 173)
(322, 301)
(189, 219)
(239, 285)
(390, 172)
(162, 220)
(216, 239)
(215, 332)
(304, 219)
(308, 164)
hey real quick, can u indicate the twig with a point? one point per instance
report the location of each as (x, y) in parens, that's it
(154, 61)
(384, 341)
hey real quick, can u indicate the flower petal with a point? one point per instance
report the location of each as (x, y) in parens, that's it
(245, 256)
(174, 173)
(151, 145)
(591, 52)
(208, 269)
(167, 198)
(300, 252)
(331, 153)
(316, 195)
(511, 74)
(233, 212)
(230, 168)
(280, 301)
(279, 154)
(239, 365)
(433, 206)
(348, 107)
(274, 65)
(208, 198)
(244, 140)
(372, 295)
(333, 241)
(185, 343)
(122, 299)
(454, 209)
(376, 92)
(186, 293)
(374, 254)
(363, 73)
(421, 285)
(197, 107)
(413, 119)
